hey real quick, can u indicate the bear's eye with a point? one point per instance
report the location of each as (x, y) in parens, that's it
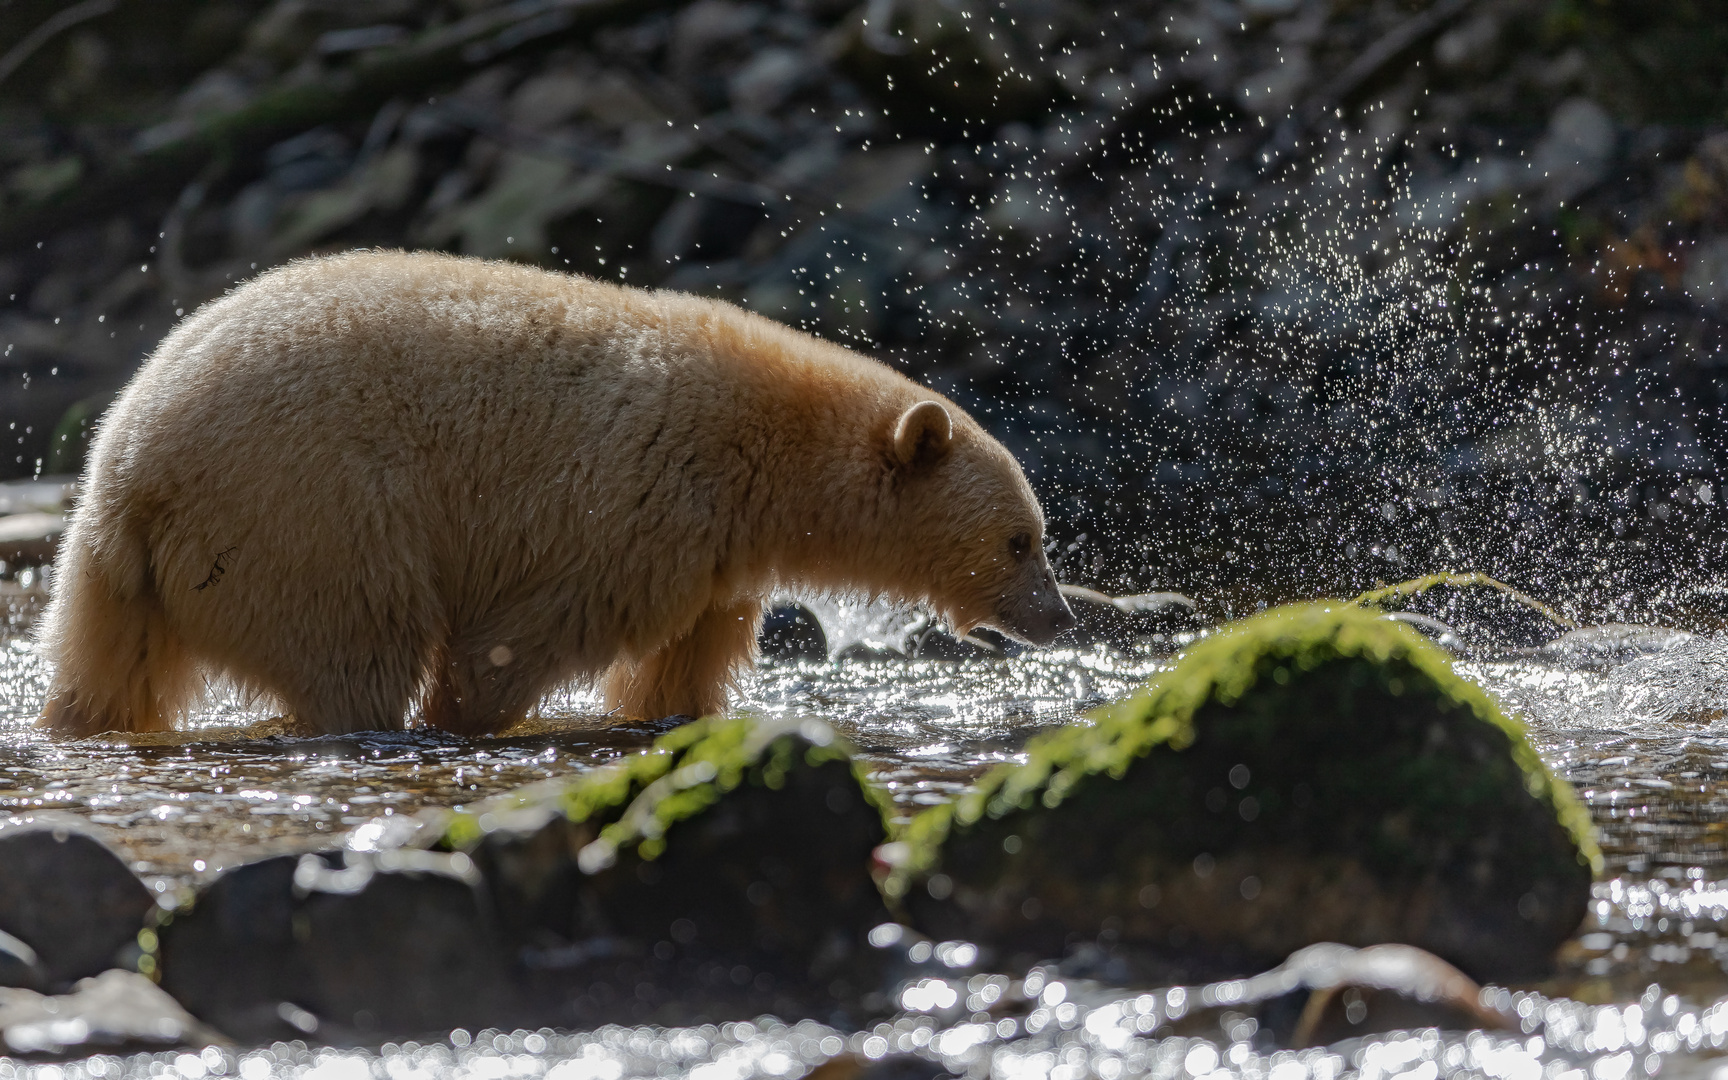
(1020, 545)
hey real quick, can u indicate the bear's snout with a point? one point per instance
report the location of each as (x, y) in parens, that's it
(1036, 615)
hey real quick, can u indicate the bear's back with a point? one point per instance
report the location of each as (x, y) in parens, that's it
(342, 406)
(373, 360)
(421, 344)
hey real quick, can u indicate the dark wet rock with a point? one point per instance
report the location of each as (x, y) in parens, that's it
(721, 874)
(1125, 622)
(111, 1011)
(1316, 773)
(1353, 1012)
(19, 965)
(231, 958)
(1319, 995)
(1598, 647)
(345, 945)
(1487, 616)
(68, 897)
(791, 632)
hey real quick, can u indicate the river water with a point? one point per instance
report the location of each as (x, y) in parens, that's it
(1641, 989)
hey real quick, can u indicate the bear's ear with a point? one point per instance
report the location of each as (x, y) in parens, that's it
(922, 435)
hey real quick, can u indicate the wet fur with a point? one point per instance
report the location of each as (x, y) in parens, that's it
(357, 484)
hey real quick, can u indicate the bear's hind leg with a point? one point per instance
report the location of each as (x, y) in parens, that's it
(118, 665)
(690, 675)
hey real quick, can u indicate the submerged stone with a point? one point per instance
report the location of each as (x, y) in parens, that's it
(343, 946)
(1313, 774)
(723, 873)
(69, 898)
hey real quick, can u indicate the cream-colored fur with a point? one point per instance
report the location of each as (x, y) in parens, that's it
(377, 481)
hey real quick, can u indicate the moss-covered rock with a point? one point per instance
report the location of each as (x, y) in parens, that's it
(1316, 773)
(722, 873)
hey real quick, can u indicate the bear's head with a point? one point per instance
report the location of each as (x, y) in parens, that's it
(975, 531)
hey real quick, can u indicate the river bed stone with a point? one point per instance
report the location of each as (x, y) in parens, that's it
(67, 896)
(1316, 773)
(346, 946)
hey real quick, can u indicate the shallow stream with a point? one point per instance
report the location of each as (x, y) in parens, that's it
(1642, 988)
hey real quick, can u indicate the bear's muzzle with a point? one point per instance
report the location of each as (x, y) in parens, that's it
(1038, 614)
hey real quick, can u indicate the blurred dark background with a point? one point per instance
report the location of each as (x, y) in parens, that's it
(1271, 297)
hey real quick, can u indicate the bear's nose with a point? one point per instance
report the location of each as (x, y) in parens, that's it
(1041, 616)
(1064, 619)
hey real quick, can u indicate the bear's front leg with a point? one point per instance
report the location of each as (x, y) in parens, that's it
(481, 686)
(690, 675)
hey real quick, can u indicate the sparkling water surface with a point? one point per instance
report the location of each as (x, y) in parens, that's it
(1642, 988)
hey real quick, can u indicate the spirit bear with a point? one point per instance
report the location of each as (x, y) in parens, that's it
(382, 483)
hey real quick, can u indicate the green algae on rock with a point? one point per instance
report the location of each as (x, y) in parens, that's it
(1316, 773)
(721, 873)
